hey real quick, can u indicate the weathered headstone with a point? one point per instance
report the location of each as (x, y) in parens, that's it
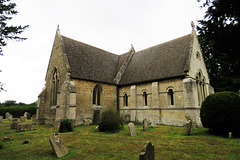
(230, 135)
(132, 129)
(20, 128)
(153, 124)
(58, 145)
(147, 152)
(87, 122)
(188, 127)
(6, 115)
(14, 125)
(9, 117)
(22, 118)
(145, 125)
(127, 118)
(25, 114)
(1, 117)
(34, 117)
(29, 116)
(97, 129)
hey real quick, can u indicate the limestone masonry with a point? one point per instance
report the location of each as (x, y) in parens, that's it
(161, 84)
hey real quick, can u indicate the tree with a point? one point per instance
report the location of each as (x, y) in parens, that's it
(219, 37)
(7, 10)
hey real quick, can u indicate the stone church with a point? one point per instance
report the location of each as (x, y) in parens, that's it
(163, 83)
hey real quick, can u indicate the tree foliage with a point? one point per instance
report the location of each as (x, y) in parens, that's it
(219, 37)
(7, 10)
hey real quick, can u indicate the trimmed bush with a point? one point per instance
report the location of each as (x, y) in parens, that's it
(66, 125)
(220, 112)
(110, 121)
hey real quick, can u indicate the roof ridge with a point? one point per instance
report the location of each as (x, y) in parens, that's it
(90, 45)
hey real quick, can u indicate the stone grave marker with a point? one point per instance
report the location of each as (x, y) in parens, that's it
(20, 128)
(29, 116)
(1, 117)
(188, 127)
(6, 115)
(22, 118)
(9, 117)
(153, 124)
(127, 118)
(145, 125)
(87, 122)
(147, 152)
(132, 129)
(58, 146)
(34, 117)
(25, 114)
(14, 125)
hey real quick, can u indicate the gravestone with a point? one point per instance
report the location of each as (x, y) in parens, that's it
(188, 127)
(25, 114)
(20, 128)
(127, 118)
(14, 125)
(230, 135)
(58, 146)
(97, 129)
(22, 118)
(147, 152)
(145, 125)
(9, 117)
(7, 139)
(132, 129)
(153, 124)
(34, 117)
(29, 116)
(6, 115)
(87, 122)
(1, 117)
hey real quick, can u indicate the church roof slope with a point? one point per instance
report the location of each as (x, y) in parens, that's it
(167, 60)
(90, 63)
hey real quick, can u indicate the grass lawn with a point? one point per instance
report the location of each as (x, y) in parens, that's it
(84, 143)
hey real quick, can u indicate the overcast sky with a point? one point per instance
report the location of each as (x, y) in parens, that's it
(107, 24)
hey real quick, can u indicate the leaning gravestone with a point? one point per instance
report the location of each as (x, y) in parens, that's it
(22, 118)
(132, 129)
(14, 125)
(145, 125)
(147, 152)
(188, 127)
(58, 145)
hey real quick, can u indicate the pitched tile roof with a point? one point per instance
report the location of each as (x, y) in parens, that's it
(167, 60)
(170, 59)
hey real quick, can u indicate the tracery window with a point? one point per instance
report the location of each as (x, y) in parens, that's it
(201, 89)
(97, 95)
(55, 85)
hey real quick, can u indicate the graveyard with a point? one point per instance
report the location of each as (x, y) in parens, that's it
(170, 142)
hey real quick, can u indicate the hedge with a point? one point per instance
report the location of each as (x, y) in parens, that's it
(18, 110)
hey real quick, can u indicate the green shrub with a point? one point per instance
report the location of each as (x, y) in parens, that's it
(66, 125)
(1, 145)
(110, 121)
(220, 112)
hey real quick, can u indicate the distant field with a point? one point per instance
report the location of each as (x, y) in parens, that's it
(84, 143)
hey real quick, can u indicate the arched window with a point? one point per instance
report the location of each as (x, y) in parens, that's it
(145, 98)
(55, 85)
(125, 100)
(201, 89)
(170, 97)
(97, 93)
